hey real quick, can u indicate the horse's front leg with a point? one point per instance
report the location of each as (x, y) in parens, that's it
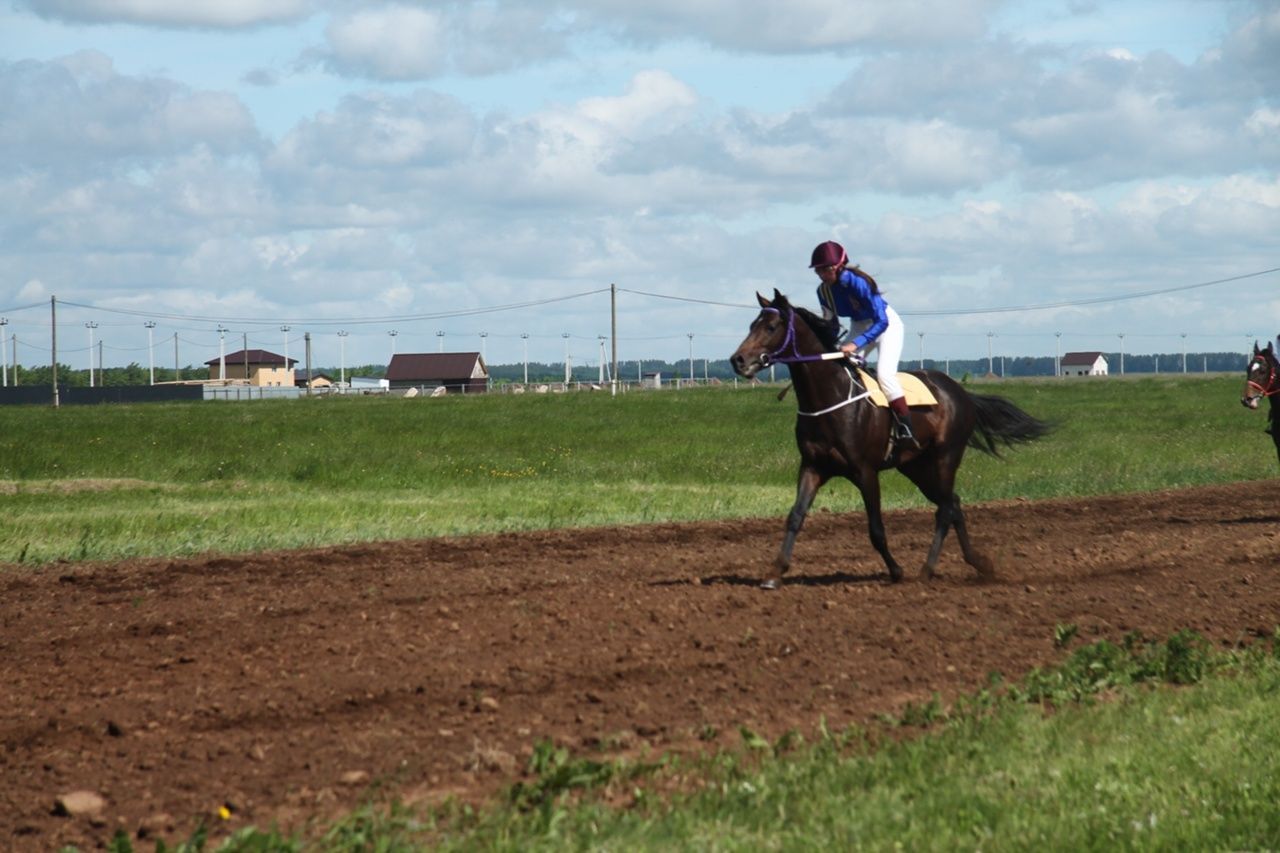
(807, 486)
(868, 482)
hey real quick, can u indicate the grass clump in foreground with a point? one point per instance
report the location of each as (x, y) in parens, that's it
(113, 481)
(1154, 767)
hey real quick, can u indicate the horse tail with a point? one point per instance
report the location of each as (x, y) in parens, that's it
(999, 420)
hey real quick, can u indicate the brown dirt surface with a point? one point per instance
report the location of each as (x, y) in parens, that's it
(290, 685)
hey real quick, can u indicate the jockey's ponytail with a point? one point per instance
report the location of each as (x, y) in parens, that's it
(859, 271)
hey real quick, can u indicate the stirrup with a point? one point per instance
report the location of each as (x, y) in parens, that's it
(902, 431)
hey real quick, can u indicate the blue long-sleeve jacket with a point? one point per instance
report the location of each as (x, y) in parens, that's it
(851, 296)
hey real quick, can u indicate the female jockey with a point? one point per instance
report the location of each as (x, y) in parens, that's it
(847, 291)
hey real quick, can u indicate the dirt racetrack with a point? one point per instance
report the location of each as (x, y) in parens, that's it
(289, 685)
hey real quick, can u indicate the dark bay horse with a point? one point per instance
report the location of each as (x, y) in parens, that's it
(841, 435)
(1262, 379)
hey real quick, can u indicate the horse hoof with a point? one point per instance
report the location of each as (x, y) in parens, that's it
(985, 568)
(771, 583)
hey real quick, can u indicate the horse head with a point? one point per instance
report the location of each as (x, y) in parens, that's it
(768, 335)
(1262, 378)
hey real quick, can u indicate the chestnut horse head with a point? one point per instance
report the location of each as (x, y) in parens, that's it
(1262, 377)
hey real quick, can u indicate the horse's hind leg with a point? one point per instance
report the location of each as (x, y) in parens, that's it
(942, 520)
(936, 482)
(980, 562)
(807, 486)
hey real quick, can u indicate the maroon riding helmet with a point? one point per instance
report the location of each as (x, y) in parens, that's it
(828, 254)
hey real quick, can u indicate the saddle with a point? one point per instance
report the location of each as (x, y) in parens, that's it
(916, 392)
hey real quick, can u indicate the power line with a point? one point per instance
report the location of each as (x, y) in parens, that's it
(1071, 303)
(951, 312)
(397, 318)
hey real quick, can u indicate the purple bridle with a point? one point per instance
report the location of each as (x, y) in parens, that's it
(780, 356)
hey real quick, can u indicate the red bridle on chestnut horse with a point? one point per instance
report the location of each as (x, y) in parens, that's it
(1262, 379)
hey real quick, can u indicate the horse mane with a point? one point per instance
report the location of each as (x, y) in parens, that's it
(827, 331)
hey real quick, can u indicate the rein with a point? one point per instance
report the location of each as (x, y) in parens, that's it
(781, 356)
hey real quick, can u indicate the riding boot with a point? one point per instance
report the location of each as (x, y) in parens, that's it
(902, 422)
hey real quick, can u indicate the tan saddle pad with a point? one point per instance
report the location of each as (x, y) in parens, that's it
(917, 393)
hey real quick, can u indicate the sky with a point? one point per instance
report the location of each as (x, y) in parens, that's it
(1022, 178)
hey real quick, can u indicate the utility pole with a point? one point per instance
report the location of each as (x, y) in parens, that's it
(342, 358)
(1122, 353)
(567, 370)
(222, 353)
(53, 345)
(4, 365)
(91, 325)
(392, 334)
(287, 369)
(613, 337)
(990, 362)
(151, 351)
(244, 350)
(1057, 358)
(601, 339)
(177, 371)
(440, 340)
(691, 356)
(524, 336)
(1184, 352)
(921, 334)
(307, 337)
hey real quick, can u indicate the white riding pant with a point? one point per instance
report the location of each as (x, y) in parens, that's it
(888, 350)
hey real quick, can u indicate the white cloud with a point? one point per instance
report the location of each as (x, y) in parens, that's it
(389, 42)
(76, 115)
(219, 14)
(403, 42)
(801, 25)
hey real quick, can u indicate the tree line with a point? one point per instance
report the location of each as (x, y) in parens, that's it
(632, 371)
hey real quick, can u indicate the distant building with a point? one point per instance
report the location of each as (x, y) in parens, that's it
(367, 384)
(256, 367)
(318, 379)
(456, 372)
(1084, 364)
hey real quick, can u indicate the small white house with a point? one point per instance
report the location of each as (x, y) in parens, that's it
(1084, 364)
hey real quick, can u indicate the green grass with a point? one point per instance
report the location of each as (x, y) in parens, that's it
(161, 480)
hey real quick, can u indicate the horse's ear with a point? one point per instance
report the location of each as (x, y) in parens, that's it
(1255, 348)
(779, 300)
(764, 303)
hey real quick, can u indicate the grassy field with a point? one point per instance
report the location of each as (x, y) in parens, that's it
(117, 481)
(1153, 767)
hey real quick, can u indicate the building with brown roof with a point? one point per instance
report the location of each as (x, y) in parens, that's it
(456, 372)
(256, 366)
(1084, 364)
